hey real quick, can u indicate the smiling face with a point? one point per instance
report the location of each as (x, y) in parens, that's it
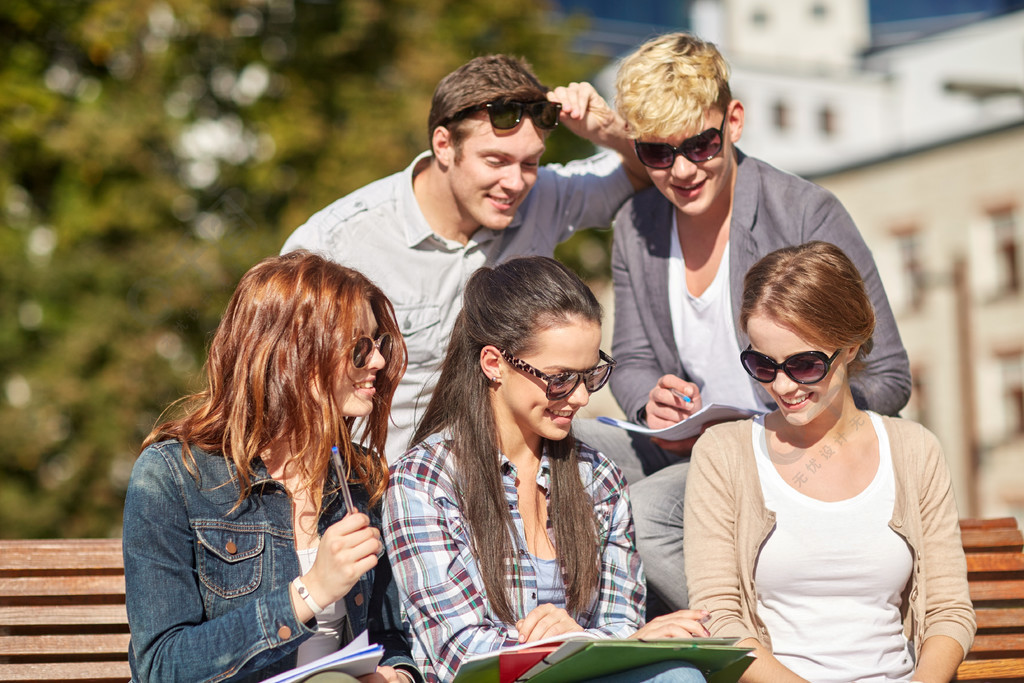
(522, 411)
(356, 389)
(802, 405)
(491, 173)
(699, 189)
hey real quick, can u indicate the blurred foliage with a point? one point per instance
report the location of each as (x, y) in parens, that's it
(150, 152)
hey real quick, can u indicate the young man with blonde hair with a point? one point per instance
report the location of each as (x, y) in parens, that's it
(680, 252)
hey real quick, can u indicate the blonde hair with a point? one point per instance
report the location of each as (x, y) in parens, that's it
(667, 85)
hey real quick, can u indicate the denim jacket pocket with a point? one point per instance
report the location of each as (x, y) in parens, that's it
(229, 558)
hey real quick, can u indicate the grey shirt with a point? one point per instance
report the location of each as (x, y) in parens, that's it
(771, 209)
(380, 231)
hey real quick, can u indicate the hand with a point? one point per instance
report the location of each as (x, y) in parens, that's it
(545, 621)
(686, 623)
(585, 112)
(672, 399)
(385, 674)
(347, 550)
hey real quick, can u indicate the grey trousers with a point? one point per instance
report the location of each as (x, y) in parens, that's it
(657, 481)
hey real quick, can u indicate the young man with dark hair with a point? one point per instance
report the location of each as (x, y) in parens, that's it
(478, 196)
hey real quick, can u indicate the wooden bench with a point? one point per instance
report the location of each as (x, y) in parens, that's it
(995, 572)
(62, 614)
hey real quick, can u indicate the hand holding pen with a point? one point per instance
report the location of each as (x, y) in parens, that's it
(671, 400)
(342, 474)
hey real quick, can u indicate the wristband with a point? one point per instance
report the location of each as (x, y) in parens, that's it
(303, 592)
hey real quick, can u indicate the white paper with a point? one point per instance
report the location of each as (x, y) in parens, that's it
(358, 658)
(691, 426)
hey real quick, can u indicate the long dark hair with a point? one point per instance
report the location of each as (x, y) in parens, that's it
(506, 306)
(285, 337)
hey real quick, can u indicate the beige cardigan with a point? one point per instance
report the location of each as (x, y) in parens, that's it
(726, 524)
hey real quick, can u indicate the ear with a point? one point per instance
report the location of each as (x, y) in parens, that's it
(490, 362)
(442, 145)
(735, 115)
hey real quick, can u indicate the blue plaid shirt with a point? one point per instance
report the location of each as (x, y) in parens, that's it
(438, 578)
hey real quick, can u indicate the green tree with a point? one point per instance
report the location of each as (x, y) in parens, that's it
(150, 152)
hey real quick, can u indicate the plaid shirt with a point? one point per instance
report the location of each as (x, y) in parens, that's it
(438, 578)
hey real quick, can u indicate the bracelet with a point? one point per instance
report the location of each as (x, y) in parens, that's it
(303, 592)
(406, 674)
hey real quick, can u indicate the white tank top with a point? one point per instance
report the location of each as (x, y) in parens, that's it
(705, 334)
(329, 623)
(830, 577)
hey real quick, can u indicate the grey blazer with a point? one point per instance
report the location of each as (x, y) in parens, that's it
(771, 209)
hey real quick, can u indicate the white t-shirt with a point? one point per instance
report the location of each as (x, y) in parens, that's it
(327, 638)
(830, 577)
(705, 334)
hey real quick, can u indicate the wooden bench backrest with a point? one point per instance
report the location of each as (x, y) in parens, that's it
(995, 572)
(62, 614)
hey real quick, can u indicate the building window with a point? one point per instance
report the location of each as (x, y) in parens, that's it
(827, 121)
(780, 115)
(912, 268)
(759, 18)
(1012, 371)
(1004, 228)
(819, 11)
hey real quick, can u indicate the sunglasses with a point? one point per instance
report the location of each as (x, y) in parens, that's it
(806, 367)
(563, 384)
(364, 347)
(697, 149)
(506, 115)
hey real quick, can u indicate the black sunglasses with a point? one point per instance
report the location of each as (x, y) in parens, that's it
(697, 149)
(806, 367)
(506, 114)
(563, 384)
(364, 346)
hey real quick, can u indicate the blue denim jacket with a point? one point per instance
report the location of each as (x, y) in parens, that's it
(207, 588)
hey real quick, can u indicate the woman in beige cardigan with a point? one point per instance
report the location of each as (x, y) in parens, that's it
(821, 535)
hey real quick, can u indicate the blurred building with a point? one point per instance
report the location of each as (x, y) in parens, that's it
(912, 113)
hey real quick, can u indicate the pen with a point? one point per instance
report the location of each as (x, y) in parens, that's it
(682, 395)
(343, 480)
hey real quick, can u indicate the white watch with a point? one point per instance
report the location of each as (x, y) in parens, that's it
(303, 592)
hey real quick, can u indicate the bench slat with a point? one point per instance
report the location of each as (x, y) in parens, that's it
(1002, 617)
(995, 562)
(990, 669)
(1007, 539)
(67, 671)
(988, 523)
(996, 590)
(73, 615)
(64, 647)
(48, 555)
(48, 586)
(1009, 642)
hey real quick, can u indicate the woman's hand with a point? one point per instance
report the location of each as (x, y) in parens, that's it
(348, 549)
(686, 623)
(545, 621)
(386, 674)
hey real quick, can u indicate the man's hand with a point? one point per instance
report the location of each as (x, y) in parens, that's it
(587, 115)
(671, 400)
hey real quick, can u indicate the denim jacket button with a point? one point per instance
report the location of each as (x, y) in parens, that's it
(284, 633)
(231, 547)
(359, 599)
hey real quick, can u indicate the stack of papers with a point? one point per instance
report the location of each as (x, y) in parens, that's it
(358, 658)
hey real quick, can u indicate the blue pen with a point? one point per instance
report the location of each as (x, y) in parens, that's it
(682, 396)
(343, 480)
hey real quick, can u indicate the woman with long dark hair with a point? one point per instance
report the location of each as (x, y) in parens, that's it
(502, 528)
(823, 535)
(242, 557)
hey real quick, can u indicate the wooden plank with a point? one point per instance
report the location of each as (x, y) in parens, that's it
(73, 615)
(1002, 617)
(49, 586)
(995, 562)
(66, 646)
(997, 590)
(990, 669)
(1008, 540)
(1006, 642)
(991, 523)
(90, 553)
(68, 671)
